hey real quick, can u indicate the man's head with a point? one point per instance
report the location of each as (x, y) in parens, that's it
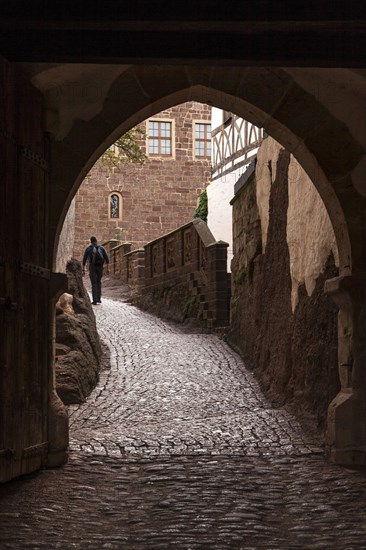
(93, 240)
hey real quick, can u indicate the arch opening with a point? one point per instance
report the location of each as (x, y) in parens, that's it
(269, 98)
(259, 178)
(251, 112)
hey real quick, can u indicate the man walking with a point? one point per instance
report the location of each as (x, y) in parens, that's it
(97, 256)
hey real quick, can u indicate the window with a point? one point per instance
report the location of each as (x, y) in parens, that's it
(115, 206)
(202, 140)
(160, 138)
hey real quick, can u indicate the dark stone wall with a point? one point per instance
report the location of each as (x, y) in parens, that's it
(294, 354)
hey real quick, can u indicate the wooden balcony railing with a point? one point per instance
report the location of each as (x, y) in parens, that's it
(233, 145)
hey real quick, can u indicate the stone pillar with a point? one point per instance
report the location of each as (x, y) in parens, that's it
(218, 283)
(124, 249)
(139, 268)
(346, 436)
(57, 417)
(134, 268)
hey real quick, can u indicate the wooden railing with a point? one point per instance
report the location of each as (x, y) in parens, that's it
(233, 145)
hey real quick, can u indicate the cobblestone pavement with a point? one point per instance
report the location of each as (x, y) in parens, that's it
(177, 448)
(170, 392)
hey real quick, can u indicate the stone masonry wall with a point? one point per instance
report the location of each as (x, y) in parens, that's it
(182, 276)
(157, 197)
(290, 341)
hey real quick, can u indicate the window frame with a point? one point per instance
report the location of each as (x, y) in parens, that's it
(205, 141)
(160, 155)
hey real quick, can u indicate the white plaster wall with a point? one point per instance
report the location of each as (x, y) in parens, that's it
(219, 219)
(216, 117)
(310, 236)
(219, 194)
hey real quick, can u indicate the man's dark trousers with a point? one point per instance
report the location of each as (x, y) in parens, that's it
(95, 274)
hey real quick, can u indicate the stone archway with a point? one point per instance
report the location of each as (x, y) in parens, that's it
(85, 124)
(306, 110)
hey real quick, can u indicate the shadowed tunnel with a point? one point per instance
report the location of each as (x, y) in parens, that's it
(61, 107)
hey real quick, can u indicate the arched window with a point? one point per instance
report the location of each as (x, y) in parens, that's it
(115, 206)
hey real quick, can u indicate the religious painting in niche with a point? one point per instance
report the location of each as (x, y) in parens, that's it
(115, 206)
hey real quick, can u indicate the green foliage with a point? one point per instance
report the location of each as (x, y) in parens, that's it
(125, 150)
(202, 208)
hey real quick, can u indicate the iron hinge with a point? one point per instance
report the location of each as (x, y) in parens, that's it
(36, 159)
(35, 450)
(35, 270)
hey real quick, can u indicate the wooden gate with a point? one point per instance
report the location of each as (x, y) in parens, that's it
(24, 277)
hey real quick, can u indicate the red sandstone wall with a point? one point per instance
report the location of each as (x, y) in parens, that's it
(293, 353)
(158, 196)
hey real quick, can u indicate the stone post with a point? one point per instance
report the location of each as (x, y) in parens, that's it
(109, 245)
(346, 436)
(134, 268)
(57, 417)
(118, 257)
(139, 268)
(218, 295)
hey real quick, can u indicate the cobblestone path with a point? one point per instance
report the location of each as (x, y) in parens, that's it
(171, 392)
(178, 449)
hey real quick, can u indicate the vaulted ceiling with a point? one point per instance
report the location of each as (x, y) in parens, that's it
(259, 32)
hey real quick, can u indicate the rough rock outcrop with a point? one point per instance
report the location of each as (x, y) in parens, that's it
(78, 347)
(293, 352)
